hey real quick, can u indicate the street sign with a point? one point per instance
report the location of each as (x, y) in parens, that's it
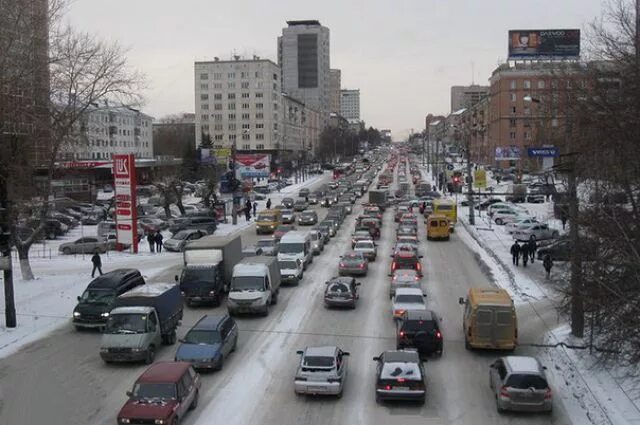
(480, 178)
(450, 167)
(547, 152)
(124, 174)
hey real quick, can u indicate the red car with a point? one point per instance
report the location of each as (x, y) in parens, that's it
(408, 260)
(163, 394)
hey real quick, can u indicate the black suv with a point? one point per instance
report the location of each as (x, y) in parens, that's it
(420, 330)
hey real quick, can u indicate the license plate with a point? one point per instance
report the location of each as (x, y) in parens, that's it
(197, 298)
(400, 388)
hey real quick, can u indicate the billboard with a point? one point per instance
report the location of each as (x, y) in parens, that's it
(252, 165)
(544, 152)
(124, 175)
(507, 153)
(535, 44)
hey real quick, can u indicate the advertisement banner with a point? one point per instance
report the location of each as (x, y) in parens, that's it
(534, 44)
(544, 152)
(222, 154)
(507, 153)
(253, 165)
(124, 174)
(480, 178)
(206, 157)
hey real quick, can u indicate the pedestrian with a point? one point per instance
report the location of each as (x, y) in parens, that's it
(515, 253)
(152, 241)
(524, 251)
(547, 263)
(97, 263)
(247, 209)
(563, 217)
(306, 199)
(269, 203)
(533, 247)
(255, 208)
(498, 178)
(423, 205)
(158, 239)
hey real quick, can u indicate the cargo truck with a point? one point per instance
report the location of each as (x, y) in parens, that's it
(255, 285)
(379, 198)
(143, 319)
(208, 268)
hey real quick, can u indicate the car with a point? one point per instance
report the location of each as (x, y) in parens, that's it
(335, 225)
(300, 205)
(406, 231)
(348, 208)
(314, 198)
(514, 225)
(360, 235)
(400, 376)
(322, 371)
(317, 241)
(303, 192)
(353, 263)
(535, 196)
(269, 246)
(501, 217)
(341, 292)
(208, 224)
(404, 279)
(281, 230)
(519, 383)
(420, 330)
(372, 224)
(308, 218)
(288, 202)
(292, 271)
(368, 248)
(400, 211)
(163, 394)
(407, 299)
(324, 230)
(535, 231)
(152, 224)
(209, 342)
(288, 216)
(178, 241)
(86, 245)
(251, 251)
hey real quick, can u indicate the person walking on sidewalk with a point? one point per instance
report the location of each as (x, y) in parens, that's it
(515, 253)
(269, 203)
(255, 208)
(247, 210)
(547, 263)
(158, 239)
(533, 247)
(152, 241)
(563, 217)
(524, 251)
(97, 263)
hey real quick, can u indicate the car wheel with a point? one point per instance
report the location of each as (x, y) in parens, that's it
(217, 300)
(172, 338)
(498, 408)
(499, 221)
(66, 251)
(379, 400)
(151, 354)
(194, 403)
(466, 344)
(339, 395)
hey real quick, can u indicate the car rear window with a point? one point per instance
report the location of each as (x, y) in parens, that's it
(409, 298)
(504, 318)
(318, 361)
(526, 381)
(409, 371)
(418, 325)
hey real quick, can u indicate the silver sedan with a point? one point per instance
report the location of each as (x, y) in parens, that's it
(322, 371)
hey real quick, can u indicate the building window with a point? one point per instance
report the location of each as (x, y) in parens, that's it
(540, 84)
(527, 84)
(259, 105)
(246, 116)
(231, 96)
(218, 137)
(527, 123)
(232, 127)
(205, 127)
(512, 135)
(245, 106)
(244, 75)
(217, 117)
(232, 106)
(246, 147)
(204, 86)
(513, 97)
(512, 84)
(275, 86)
(217, 76)
(246, 137)
(259, 85)
(244, 85)
(260, 125)
(246, 126)
(260, 147)
(527, 135)
(260, 136)
(259, 95)
(217, 96)
(217, 86)
(231, 117)
(259, 116)
(232, 137)
(204, 117)
(231, 85)
(245, 95)
(554, 84)
(204, 76)
(569, 84)
(554, 122)
(513, 110)
(527, 111)
(204, 106)
(217, 127)
(204, 97)
(217, 106)
(512, 123)
(258, 74)
(231, 75)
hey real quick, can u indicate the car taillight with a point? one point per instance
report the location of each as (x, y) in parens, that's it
(393, 265)
(416, 278)
(334, 379)
(362, 266)
(504, 393)
(419, 266)
(401, 379)
(547, 394)
(438, 335)
(401, 334)
(342, 265)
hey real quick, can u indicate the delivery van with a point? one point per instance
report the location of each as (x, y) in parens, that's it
(268, 220)
(437, 227)
(447, 208)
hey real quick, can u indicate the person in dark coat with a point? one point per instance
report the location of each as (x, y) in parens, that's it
(152, 241)
(158, 239)
(515, 253)
(547, 263)
(255, 208)
(524, 252)
(269, 203)
(563, 217)
(97, 264)
(533, 247)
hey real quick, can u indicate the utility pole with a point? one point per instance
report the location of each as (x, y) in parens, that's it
(5, 255)
(577, 300)
(234, 209)
(472, 218)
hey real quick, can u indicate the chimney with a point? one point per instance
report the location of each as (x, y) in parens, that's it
(216, 59)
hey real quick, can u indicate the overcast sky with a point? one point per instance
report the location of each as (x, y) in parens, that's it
(403, 55)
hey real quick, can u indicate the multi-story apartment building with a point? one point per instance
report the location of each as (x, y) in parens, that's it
(238, 103)
(350, 104)
(105, 130)
(334, 90)
(467, 96)
(303, 55)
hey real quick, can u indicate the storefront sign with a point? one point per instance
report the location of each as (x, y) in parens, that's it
(124, 173)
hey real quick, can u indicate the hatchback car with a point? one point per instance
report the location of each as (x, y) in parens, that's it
(269, 246)
(288, 216)
(420, 330)
(300, 205)
(317, 241)
(341, 292)
(178, 241)
(314, 198)
(404, 279)
(368, 248)
(86, 245)
(353, 263)
(163, 394)
(209, 342)
(407, 299)
(322, 371)
(335, 225)
(360, 235)
(406, 260)
(308, 218)
(288, 202)
(400, 376)
(537, 231)
(281, 230)
(519, 383)
(325, 230)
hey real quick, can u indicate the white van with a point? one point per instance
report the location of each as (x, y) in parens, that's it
(296, 245)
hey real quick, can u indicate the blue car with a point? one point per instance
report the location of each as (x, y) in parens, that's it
(209, 342)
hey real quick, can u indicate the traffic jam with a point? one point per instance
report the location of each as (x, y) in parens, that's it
(137, 319)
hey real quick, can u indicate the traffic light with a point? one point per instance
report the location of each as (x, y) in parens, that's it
(456, 180)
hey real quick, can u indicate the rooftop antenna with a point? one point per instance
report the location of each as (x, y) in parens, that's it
(473, 74)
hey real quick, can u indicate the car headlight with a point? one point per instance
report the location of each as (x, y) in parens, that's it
(105, 314)
(125, 421)
(161, 421)
(137, 350)
(76, 314)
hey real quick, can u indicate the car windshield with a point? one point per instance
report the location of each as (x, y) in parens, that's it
(318, 361)
(126, 324)
(180, 235)
(418, 325)
(309, 214)
(291, 248)
(202, 337)
(397, 370)
(266, 217)
(195, 275)
(524, 382)
(92, 296)
(287, 265)
(154, 390)
(247, 283)
(266, 243)
(409, 299)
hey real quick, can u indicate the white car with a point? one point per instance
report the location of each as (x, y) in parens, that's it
(515, 225)
(292, 271)
(537, 231)
(507, 216)
(368, 248)
(500, 206)
(406, 299)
